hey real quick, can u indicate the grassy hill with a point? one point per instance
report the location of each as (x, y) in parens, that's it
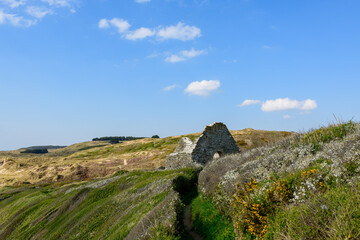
(89, 160)
(306, 186)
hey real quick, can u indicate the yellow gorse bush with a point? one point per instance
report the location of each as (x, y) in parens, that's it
(279, 192)
(251, 207)
(250, 216)
(309, 173)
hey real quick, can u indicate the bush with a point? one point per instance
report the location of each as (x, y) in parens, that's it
(155, 136)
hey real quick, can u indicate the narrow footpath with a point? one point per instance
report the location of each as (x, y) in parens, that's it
(189, 225)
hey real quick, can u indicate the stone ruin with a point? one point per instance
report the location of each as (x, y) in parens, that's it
(214, 142)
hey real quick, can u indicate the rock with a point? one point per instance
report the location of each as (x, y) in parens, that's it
(214, 142)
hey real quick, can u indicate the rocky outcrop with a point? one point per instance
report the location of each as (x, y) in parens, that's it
(215, 141)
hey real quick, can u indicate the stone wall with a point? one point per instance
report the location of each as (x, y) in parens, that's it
(215, 140)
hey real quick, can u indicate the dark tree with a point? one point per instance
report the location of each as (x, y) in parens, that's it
(155, 136)
(114, 141)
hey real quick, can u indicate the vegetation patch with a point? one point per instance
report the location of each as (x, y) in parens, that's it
(305, 187)
(209, 222)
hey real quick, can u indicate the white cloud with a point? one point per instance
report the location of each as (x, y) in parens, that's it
(121, 24)
(169, 88)
(58, 3)
(103, 23)
(38, 12)
(282, 104)
(142, 1)
(192, 53)
(267, 47)
(249, 102)
(140, 33)
(202, 88)
(15, 20)
(184, 55)
(175, 58)
(25, 13)
(12, 3)
(180, 32)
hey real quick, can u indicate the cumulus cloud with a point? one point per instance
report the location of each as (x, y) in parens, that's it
(169, 88)
(120, 24)
(175, 58)
(103, 23)
(140, 33)
(184, 55)
(25, 13)
(249, 102)
(202, 88)
(180, 32)
(142, 1)
(282, 104)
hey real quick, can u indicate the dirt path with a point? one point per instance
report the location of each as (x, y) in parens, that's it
(189, 225)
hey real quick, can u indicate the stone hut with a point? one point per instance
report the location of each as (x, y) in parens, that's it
(214, 142)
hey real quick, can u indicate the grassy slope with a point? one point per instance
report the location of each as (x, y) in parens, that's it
(112, 208)
(89, 160)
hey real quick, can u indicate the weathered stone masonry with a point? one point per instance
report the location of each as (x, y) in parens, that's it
(215, 141)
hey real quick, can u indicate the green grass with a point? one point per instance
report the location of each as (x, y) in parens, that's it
(334, 131)
(333, 215)
(51, 212)
(90, 147)
(208, 221)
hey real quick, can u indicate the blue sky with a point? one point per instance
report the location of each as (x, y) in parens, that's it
(71, 70)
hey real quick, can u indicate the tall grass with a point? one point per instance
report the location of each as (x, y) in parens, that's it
(208, 221)
(332, 215)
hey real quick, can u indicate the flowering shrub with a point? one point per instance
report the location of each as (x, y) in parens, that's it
(287, 176)
(252, 204)
(250, 213)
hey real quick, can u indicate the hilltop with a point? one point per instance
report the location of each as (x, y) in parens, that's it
(89, 160)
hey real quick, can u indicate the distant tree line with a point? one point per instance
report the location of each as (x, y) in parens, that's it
(45, 147)
(36, 151)
(116, 139)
